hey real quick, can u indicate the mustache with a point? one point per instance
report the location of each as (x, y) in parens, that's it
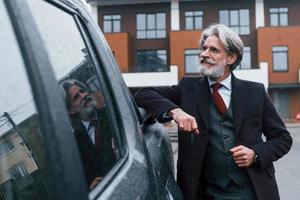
(206, 60)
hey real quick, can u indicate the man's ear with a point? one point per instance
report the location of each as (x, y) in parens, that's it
(231, 59)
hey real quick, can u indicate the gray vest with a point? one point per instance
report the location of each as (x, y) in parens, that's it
(219, 166)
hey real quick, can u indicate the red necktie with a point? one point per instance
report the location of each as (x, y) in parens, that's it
(221, 107)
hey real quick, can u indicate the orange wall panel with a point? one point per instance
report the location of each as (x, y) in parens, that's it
(119, 44)
(280, 36)
(179, 41)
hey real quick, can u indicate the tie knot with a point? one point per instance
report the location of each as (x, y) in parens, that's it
(93, 123)
(216, 86)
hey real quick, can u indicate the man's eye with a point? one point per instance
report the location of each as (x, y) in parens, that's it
(215, 50)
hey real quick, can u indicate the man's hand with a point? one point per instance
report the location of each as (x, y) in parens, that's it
(185, 121)
(243, 156)
(95, 182)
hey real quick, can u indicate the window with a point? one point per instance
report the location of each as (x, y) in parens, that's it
(193, 20)
(150, 26)
(152, 61)
(278, 16)
(18, 171)
(112, 23)
(246, 61)
(280, 58)
(5, 147)
(191, 61)
(237, 20)
(26, 157)
(86, 99)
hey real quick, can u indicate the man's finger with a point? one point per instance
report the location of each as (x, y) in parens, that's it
(238, 148)
(195, 127)
(239, 162)
(187, 126)
(180, 125)
(239, 158)
(238, 153)
(243, 165)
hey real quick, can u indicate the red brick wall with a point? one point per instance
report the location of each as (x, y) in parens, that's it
(280, 36)
(120, 46)
(179, 41)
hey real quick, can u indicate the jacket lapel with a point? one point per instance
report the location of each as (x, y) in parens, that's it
(239, 98)
(202, 100)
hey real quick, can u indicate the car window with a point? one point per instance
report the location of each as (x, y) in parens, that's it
(86, 99)
(23, 161)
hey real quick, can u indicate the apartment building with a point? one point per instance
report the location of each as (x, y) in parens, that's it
(23, 160)
(152, 36)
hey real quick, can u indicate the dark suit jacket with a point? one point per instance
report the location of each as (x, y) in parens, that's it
(254, 115)
(96, 161)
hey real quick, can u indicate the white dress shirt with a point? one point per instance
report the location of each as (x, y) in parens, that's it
(224, 91)
(90, 130)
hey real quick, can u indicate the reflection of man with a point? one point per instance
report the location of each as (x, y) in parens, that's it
(91, 129)
(221, 120)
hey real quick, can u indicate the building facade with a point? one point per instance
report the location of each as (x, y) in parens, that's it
(155, 35)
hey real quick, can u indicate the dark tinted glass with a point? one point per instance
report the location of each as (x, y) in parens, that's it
(87, 102)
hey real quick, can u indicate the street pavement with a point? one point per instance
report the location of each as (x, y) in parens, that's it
(287, 168)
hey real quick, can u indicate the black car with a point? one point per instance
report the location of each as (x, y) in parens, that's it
(47, 149)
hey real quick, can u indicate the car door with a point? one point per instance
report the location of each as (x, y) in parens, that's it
(56, 41)
(35, 161)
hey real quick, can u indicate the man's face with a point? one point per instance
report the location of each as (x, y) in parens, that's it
(82, 103)
(214, 60)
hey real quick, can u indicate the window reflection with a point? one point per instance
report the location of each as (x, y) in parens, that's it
(246, 61)
(152, 60)
(193, 20)
(280, 58)
(278, 16)
(237, 20)
(150, 26)
(90, 115)
(191, 60)
(89, 118)
(23, 162)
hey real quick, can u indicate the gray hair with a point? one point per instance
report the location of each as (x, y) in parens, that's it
(66, 85)
(228, 38)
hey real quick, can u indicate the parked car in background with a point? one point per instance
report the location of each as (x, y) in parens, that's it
(42, 44)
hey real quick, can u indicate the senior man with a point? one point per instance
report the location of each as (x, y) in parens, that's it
(221, 119)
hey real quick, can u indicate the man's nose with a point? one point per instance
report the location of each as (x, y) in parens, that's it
(204, 53)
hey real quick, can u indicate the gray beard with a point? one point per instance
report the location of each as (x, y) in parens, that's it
(89, 113)
(215, 71)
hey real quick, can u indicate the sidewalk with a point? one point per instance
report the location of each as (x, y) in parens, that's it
(292, 125)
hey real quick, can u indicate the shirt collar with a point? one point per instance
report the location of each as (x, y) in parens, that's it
(86, 124)
(226, 82)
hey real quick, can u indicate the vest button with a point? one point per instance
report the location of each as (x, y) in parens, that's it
(192, 180)
(225, 136)
(228, 153)
(204, 132)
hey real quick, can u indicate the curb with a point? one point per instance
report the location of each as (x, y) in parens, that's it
(292, 125)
